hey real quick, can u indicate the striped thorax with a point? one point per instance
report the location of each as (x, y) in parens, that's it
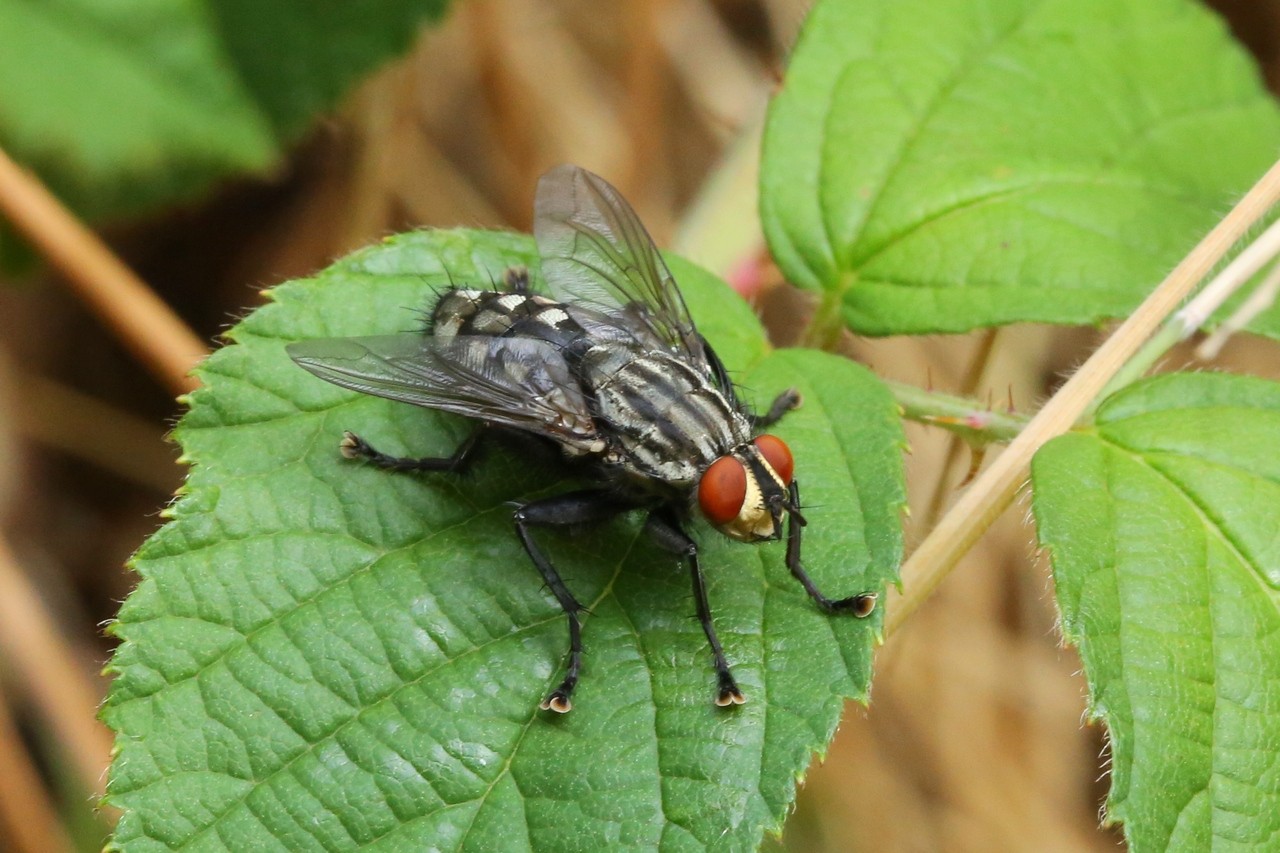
(668, 422)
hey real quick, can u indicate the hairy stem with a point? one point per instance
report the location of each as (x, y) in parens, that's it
(1197, 312)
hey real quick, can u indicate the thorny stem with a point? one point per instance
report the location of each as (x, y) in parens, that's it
(995, 488)
(957, 441)
(960, 415)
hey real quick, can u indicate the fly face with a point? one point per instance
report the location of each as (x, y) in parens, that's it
(744, 493)
(609, 366)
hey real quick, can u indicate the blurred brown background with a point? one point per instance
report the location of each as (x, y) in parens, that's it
(974, 739)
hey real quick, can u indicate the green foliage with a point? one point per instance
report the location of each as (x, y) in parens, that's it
(123, 106)
(322, 655)
(941, 165)
(1162, 523)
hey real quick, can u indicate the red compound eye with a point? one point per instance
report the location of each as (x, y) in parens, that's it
(722, 490)
(777, 454)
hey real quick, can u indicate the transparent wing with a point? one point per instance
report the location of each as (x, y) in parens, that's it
(596, 253)
(516, 382)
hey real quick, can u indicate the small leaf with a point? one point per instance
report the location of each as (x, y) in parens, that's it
(1165, 537)
(323, 655)
(940, 165)
(124, 106)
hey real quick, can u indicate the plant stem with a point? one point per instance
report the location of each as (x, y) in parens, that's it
(956, 443)
(827, 324)
(960, 415)
(1254, 257)
(995, 488)
(1143, 360)
(142, 321)
(1197, 312)
(1260, 300)
(26, 810)
(36, 654)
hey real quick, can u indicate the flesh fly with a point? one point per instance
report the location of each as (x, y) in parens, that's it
(610, 368)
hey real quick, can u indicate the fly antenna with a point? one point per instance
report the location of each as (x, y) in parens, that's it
(792, 509)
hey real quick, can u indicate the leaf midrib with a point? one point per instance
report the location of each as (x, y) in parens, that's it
(908, 140)
(1229, 544)
(1237, 551)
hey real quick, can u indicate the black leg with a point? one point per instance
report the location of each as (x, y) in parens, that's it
(559, 511)
(859, 605)
(355, 447)
(783, 403)
(666, 531)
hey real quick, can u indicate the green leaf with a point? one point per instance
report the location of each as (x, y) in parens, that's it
(940, 165)
(124, 106)
(321, 655)
(1165, 537)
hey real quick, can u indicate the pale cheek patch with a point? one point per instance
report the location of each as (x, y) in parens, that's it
(754, 520)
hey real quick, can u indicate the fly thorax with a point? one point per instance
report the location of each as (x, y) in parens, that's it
(743, 493)
(667, 421)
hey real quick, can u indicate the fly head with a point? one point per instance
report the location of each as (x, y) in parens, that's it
(745, 492)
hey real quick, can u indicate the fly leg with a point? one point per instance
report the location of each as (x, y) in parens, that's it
(665, 530)
(355, 447)
(859, 605)
(561, 511)
(783, 403)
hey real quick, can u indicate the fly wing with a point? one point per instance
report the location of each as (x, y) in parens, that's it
(595, 253)
(521, 383)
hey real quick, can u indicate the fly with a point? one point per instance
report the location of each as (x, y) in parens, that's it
(611, 368)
